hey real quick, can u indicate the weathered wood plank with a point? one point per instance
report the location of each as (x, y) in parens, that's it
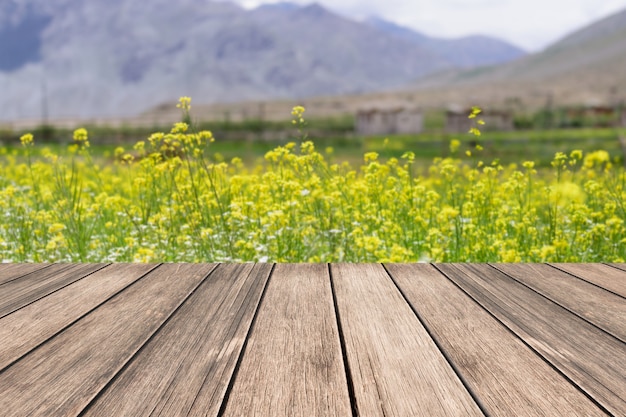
(9, 272)
(292, 365)
(62, 376)
(507, 376)
(29, 288)
(190, 361)
(396, 368)
(602, 308)
(601, 275)
(592, 359)
(32, 325)
(621, 266)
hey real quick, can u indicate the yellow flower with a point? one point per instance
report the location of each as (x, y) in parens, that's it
(559, 160)
(370, 156)
(596, 159)
(180, 127)
(475, 111)
(447, 213)
(26, 139)
(297, 113)
(409, 156)
(510, 255)
(206, 136)
(184, 103)
(80, 136)
(576, 154)
(155, 138)
(144, 255)
(546, 252)
(56, 227)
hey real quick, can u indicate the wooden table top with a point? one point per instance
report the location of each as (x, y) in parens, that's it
(312, 340)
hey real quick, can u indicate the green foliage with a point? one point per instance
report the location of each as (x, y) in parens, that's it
(172, 197)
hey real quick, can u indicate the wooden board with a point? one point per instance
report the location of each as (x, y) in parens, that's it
(596, 305)
(9, 272)
(621, 266)
(604, 276)
(590, 358)
(192, 358)
(61, 377)
(311, 339)
(503, 372)
(32, 325)
(292, 365)
(29, 288)
(396, 368)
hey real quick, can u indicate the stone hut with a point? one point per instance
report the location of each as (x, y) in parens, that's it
(595, 115)
(457, 121)
(389, 120)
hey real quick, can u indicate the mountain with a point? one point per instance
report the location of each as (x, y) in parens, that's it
(101, 58)
(465, 52)
(587, 66)
(284, 6)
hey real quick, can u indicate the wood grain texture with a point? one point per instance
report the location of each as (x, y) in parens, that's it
(592, 359)
(292, 365)
(61, 377)
(601, 275)
(508, 377)
(29, 288)
(128, 340)
(190, 361)
(600, 307)
(397, 370)
(9, 272)
(32, 325)
(621, 266)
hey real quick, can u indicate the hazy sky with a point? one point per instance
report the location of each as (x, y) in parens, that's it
(530, 24)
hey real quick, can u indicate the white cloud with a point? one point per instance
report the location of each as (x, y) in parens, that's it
(531, 24)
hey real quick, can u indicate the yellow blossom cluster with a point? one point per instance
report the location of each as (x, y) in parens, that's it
(167, 199)
(184, 103)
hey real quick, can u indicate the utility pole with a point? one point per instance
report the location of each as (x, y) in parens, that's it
(46, 130)
(44, 103)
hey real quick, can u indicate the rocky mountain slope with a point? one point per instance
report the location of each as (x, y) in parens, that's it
(75, 58)
(585, 67)
(466, 52)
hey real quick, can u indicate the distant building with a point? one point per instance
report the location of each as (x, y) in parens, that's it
(593, 115)
(457, 121)
(389, 120)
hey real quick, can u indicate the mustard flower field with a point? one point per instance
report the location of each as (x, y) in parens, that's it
(166, 199)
